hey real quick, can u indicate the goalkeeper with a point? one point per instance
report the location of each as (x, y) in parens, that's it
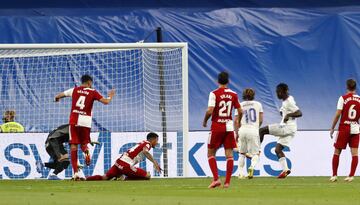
(54, 145)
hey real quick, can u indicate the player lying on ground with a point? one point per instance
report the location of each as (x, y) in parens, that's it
(286, 129)
(348, 108)
(220, 106)
(248, 133)
(125, 164)
(55, 148)
(83, 98)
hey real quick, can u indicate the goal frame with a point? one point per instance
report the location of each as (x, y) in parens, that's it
(182, 45)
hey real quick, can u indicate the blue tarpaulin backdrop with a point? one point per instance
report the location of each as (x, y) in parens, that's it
(313, 48)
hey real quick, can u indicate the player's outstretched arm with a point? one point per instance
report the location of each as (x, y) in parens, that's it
(295, 114)
(335, 120)
(151, 158)
(107, 100)
(66, 93)
(59, 96)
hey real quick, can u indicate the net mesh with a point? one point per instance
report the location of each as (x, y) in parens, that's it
(30, 78)
(148, 84)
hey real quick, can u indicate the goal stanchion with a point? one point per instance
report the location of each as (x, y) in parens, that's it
(162, 105)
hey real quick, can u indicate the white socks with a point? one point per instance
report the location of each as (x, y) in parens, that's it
(241, 163)
(254, 161)
(283, 163)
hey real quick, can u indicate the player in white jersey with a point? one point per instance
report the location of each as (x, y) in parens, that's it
(248, 140)
(286, 129)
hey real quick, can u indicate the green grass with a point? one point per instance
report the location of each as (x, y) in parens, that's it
(268, 191)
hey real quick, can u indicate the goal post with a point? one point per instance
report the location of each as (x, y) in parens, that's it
(32, 74)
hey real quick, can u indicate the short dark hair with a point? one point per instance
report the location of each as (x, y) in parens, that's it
(85, 78)
(152, 135)
(283, 87)
(248, 94)
(351, 84)
(223, 78)
(9, 116)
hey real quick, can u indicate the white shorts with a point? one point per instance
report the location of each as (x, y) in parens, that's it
(249, 141)
(285, 133)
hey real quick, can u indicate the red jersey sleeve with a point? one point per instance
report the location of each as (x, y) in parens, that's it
(147, 146)
(97, 95)
(236, 102)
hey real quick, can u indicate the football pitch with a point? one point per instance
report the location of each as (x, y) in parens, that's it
(293, 190)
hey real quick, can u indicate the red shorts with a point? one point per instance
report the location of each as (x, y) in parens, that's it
(79, 135)
(216, 139)
(344, 137)
(122, 168)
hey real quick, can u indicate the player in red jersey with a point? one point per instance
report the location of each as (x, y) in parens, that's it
(348, 110)
(220, 106)
(125, 164)
(83, 98)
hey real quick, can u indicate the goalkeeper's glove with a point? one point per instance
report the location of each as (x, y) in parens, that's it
(94, 143)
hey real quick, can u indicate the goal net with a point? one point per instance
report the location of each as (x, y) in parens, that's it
(150, 80)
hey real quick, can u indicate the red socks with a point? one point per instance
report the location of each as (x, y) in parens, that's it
(354, 163)
(229, 169)
(83, 147)
(74, 159)
(213, 167)
(335, 164)
(94, 178)
(214, 170)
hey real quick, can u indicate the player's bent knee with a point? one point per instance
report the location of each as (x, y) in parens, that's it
(264, 130)
(337, 151)
(211, 152)
(278, 151)
(65, 164)
(229, 153)
(73, 147)
(354, 151)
